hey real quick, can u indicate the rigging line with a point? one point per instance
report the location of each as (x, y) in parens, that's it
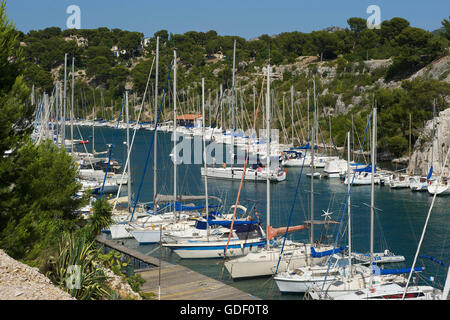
(424, 229)
(245, 168)
(110, 151)
(292, 210)
(345, 207)
(151, 144)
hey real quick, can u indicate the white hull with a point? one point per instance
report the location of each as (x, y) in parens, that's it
(215, 249)
(439, 189)
(292, 285)
(146, 236)
(119, 231)
(250, 174)
(334, 168)
(264, 262)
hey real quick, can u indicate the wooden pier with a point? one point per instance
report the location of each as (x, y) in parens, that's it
(177, 282)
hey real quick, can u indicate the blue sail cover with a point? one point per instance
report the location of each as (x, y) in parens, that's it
(316, 254)
(378, 271)
(201, 224)
(307, 147)
(366, 169)
(430, 173)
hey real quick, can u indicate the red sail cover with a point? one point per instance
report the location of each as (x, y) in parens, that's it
(273, 232)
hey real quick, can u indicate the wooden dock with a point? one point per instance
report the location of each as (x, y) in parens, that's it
(178, 282)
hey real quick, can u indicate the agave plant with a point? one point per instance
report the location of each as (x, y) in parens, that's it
(76, 272)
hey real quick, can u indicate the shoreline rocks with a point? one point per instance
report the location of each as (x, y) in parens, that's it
(19, 281)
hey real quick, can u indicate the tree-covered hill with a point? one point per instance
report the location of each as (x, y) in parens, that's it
(344, 65)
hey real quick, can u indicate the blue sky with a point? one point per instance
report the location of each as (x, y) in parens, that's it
(245, 18)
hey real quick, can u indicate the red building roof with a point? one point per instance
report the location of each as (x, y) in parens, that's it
(189, 117)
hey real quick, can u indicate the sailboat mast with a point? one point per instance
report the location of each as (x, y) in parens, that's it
(65, 102)
(204, 158)
(307, 109)
(93, 130)
(372, 190)
(311, 236)
(348, 207)
(71, 117)
(57, 110)
(155, 157)
(292, 114)
(174, 132)
(268, 151)
(232, 105)
(128, 168)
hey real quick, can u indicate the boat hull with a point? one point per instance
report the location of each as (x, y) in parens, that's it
(215, 249)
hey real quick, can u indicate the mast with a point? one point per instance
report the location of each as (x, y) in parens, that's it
(155, 157)
(57, 110)
(372, 194)
(409, 162)
(348, 206)
(204, 158)
(307, 109)
(128, 168)
(311, 236)
(71, 117)
(93, 130)
(232, 105)
(292, 114)
(268, 151)
(65, 102)
(174, 132)
(61, 114)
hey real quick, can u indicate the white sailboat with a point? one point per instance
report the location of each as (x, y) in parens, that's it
(398, 181)
(247, 236)
(268, 259)
(417, 183)
(359, 276)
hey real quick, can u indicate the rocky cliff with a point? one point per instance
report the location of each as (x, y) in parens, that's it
(429, 150)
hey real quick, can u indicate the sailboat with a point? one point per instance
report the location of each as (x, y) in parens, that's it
(256, 173)
(268, 259)
(359, 276)
(402, 290)
(247, 235)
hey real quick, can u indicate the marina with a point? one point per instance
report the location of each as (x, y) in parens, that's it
(303, 165)
(399, 219)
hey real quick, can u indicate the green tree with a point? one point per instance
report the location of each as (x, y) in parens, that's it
(325, 44)
(446, 26)
(38, 204)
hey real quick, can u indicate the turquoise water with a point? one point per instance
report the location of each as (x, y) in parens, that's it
(399, 217)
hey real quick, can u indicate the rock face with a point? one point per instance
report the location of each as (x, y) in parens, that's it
(122, 287)
(19, 281)
(426, 148)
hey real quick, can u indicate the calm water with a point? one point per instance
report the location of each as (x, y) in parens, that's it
(399, 218)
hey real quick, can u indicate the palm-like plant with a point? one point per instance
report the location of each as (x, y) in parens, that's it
(85, 280)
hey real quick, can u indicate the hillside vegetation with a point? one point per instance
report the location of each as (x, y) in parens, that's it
(399, 68)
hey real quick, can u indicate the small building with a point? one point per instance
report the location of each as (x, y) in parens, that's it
(115, 50)
(189, 120)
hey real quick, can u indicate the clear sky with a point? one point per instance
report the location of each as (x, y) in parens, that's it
(245, 18)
